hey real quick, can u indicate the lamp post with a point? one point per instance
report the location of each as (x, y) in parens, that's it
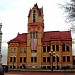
(57, 60)
(51, 53)
(13, 60)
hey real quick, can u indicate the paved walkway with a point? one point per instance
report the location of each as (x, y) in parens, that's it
(12, 74)
(40, 70)
(38, 73)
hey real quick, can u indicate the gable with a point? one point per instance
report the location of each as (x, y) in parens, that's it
(20, 38)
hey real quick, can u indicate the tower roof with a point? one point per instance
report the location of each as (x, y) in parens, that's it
(40, 10)
(35, 6)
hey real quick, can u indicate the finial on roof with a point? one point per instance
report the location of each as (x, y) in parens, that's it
(35, 5)
(18, 33)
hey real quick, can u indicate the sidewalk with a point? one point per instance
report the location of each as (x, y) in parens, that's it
(39, 73)
(40, 70)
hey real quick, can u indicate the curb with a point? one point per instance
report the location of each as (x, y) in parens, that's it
(29, 70)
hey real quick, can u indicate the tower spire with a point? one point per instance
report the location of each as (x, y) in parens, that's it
(35, 19)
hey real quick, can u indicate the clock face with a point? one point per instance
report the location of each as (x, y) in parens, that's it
(29, 29)
(38, 28)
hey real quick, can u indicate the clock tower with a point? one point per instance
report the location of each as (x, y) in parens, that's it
(35, 20)
(34, 36)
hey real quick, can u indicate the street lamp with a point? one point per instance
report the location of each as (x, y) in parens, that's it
(51, 53)
(57, 60)
(13, 60)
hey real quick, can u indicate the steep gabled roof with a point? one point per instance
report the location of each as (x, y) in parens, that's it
(40, 10)
(56, 35)
(20, 38)
(48, 36)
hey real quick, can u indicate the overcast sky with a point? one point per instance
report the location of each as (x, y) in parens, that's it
(13, 16)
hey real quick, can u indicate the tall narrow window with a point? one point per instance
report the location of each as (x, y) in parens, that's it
(53, 58)
(63, 47)
(34, 16)
(34, 11)
(48, 48)
(44, 48)
(20, 59)
(14, 50)
(35, 59)
(68, 58)
(10, 59)
(57, 59)
(11, 50)
(24, 50)
(31, 59)
(24, 59)
(53, 47)
(20, 50)
(44, 59)
(57, 47)
(14, 59)
(33, 20)
(31, 35)
(48, 59)
(36, 34)
(67, 47)
(64, 59)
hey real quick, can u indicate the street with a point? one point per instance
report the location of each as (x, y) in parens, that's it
(38, 73)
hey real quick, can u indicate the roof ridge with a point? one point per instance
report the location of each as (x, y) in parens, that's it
(57, 31)
(52, 31)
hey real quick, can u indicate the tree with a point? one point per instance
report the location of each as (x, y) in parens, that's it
(70, 11)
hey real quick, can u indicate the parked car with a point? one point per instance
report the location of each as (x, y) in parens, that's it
(5, 68)
(1, 70)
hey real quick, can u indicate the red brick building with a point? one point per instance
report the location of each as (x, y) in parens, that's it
(38, 48)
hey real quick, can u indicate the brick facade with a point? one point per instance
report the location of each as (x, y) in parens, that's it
(33, 49)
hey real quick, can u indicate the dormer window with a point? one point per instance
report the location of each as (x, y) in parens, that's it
(34, 16)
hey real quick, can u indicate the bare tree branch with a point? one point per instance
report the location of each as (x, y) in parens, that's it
(69, 9)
